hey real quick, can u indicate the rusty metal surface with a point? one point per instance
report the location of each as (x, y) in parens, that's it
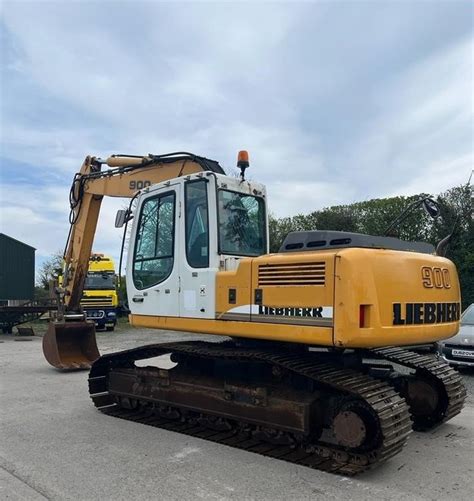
(27, 312)
(386, 412)
(70, 345)
(349, 429)
(30, 307)
(289, 411)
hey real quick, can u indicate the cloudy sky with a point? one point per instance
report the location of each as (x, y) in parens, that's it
(336, 101)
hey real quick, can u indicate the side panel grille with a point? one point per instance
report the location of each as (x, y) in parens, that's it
(96, 301)
(292, 274)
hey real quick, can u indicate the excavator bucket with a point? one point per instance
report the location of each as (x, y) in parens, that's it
(70, 345)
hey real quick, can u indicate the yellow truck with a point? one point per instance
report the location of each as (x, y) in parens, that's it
(99, 299)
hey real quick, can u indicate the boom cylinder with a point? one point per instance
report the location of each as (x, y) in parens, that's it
(122, 161)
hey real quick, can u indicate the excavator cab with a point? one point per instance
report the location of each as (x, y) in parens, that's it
(70, 345)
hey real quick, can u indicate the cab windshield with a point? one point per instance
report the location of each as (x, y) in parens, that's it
(241, 224)
(100, 281)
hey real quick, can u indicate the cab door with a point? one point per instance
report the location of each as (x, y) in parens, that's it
(199, 260)
(152, 271)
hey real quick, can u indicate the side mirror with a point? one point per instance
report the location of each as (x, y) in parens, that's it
(122, 217)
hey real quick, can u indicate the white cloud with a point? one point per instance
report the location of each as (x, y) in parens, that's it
(39, 217)
(423, 135)
(443, 174)
(49, 149)
(334, 103)
(302, 197)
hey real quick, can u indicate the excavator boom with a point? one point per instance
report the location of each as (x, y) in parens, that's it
(70, 340)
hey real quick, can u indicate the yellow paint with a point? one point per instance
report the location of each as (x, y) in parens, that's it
(375, 278)
(298, 295)
(239, 280)
(380, 278)
(110, 294)
(105, 264)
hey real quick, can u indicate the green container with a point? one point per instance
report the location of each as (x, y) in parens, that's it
(17, 269)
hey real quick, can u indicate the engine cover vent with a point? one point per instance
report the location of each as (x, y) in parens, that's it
(292, 274)
(316, 240)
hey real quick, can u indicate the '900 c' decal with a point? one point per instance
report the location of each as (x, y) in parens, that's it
(425, 313)
(139, 185)
(435, 277)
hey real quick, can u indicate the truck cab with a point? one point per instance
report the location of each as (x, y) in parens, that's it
(99, 299)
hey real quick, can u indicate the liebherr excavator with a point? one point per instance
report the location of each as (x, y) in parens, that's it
(314, 371)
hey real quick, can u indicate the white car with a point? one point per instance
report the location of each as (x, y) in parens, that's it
(459, 349)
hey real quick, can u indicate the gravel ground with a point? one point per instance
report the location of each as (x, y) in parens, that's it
(55, 445)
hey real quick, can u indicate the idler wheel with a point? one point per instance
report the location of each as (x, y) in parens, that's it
(427, 399)
(422, 396)
(349, 429)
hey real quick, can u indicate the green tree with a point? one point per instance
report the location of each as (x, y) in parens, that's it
(48, 270)
(40, 293)
(338, 218)
(278, 229)
(457, 218)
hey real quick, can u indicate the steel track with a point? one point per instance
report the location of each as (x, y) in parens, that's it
(388, 407)
(448, 380)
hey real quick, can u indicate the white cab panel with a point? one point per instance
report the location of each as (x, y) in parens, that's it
(152, 271)
(173, 261)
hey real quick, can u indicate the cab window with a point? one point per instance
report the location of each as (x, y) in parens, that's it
(154, 247)
(197, 224)
(100, 280)
(241, 224)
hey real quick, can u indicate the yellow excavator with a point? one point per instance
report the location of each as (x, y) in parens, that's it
(312, 369)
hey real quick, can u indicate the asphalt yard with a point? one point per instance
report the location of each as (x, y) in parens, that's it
(55, 445)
